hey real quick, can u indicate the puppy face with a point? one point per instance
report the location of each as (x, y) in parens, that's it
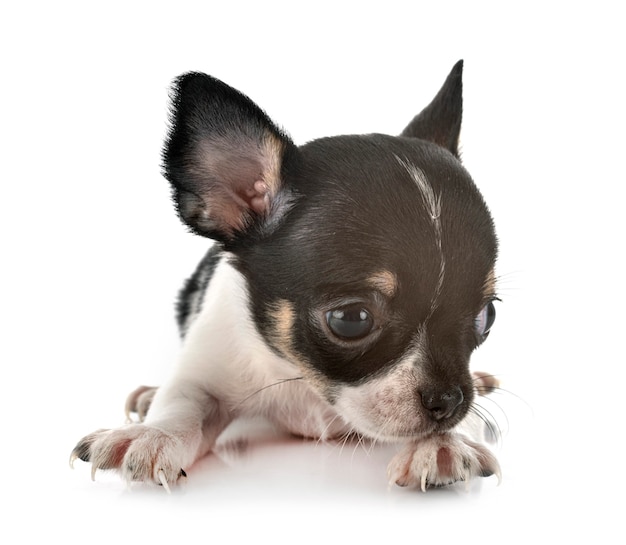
(369, 259)
(378, 284)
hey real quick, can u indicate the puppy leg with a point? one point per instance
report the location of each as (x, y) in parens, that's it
(441, 459)
(183, 424)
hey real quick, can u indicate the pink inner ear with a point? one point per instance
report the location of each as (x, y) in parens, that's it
(257, 197)
(237, 180)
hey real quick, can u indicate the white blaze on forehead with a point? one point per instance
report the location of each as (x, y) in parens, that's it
(432, 203)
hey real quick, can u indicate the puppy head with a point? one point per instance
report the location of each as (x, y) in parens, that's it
(369, 259)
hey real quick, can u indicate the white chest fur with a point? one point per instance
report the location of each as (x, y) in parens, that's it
(224, 355)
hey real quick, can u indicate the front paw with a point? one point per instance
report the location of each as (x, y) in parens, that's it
(139, 452)
(441, 459)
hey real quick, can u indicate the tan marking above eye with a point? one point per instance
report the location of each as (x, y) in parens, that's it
(385, 282)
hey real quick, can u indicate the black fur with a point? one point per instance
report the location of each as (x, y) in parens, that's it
(206, 111)
(440, 121)
(353, 211)
(360, 213)
(190, 297)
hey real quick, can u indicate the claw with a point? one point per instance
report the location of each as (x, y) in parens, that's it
(423, 480)
(163, 481)
(93, 472)
(72, 458)
(498, 474)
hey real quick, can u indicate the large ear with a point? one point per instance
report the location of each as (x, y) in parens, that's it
(224, 158)
(440, 121)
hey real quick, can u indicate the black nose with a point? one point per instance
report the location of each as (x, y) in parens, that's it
(442, 403)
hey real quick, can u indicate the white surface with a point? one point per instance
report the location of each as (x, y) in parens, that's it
(94, 255)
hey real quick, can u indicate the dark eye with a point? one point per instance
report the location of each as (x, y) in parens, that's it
(485, 319)
(350, 323)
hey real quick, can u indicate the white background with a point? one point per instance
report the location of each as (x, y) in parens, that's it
(93, 256)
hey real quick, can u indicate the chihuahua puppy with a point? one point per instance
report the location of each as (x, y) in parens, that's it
(350, 280)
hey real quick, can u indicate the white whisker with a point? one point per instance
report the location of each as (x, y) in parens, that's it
(323, 436)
